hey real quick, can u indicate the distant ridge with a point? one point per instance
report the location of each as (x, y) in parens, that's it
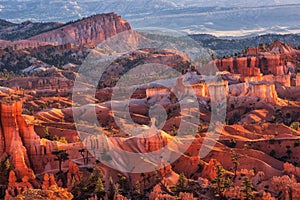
(228, 47)
(13, 32)
(5, 24)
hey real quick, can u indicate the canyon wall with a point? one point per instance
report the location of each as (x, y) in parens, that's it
(200, 90)
(284, 79)
(240, 89)
(252, 51)
(253, 78)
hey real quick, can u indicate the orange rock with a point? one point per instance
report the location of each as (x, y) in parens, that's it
(210, 170)
(12, 178)
(46, 184)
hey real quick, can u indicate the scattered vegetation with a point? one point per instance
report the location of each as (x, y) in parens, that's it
(221, 182)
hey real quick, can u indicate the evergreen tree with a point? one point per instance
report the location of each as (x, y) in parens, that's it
(182, 184)
(221, 182)
(247, 189)
(124, 186)
(234, 159)
(61, 156)
(99, 189)
(111, 189)
(137, 191)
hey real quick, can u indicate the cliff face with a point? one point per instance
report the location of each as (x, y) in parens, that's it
(90, 31)
(240, 89)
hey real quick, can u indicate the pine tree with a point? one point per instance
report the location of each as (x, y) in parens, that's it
(234, 159)
(111, 189)
(182, 184)
(123, 185)
(247, 189)
(137, 191)
(221, 182)
(99, 189)
(61, 156)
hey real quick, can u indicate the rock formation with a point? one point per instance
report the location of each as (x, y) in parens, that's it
(218, 91)
(12, 140)
(18, 139)
(49, 181)
(53, 192)
(16, 188)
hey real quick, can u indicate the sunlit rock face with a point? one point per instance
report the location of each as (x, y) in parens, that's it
(285, 79)
(157, 91)
(253, 66)
(90, 31)
(264, 91)
(298, 80)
